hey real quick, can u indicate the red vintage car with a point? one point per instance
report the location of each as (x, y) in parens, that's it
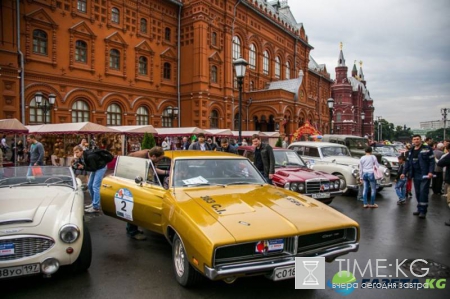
(292, 173)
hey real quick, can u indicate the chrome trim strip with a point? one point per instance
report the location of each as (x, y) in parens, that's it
(13, 221)
(268, 265)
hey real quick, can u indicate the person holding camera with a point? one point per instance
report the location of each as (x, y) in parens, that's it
(92, 162)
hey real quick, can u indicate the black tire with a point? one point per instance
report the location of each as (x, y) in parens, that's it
(83, 261)
(185, 274)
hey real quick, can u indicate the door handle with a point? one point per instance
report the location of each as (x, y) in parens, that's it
(106, 186)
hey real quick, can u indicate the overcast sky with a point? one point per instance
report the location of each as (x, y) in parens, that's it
(404, 46)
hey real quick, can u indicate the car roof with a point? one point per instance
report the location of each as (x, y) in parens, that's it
(316, 144)
(199, 154)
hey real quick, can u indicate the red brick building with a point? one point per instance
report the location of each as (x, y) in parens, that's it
(140, 62)
(352, 102)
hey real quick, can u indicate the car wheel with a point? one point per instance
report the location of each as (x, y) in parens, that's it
(328, 201)
(185, 274)
(83, 261)
(343, 184)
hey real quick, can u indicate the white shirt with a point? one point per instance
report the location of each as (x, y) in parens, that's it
(366, 164)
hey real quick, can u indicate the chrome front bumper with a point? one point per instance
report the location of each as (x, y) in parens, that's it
(267, 266)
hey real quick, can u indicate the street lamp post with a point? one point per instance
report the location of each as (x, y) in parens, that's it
(240, 66)
(444, 112)
(44, 107)
(330, 103)
(380, 133)
(363, 116)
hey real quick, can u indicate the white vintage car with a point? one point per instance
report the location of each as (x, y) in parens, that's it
(41, 222)
(336, 159)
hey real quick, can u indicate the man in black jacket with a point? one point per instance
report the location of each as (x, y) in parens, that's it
(264, 158)
(92, 162)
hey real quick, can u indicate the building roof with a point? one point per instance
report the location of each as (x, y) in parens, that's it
(291, 85)
(358, 84)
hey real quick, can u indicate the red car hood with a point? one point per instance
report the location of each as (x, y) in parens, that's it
(303, 173)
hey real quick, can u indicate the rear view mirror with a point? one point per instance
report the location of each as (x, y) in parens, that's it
(138, 180)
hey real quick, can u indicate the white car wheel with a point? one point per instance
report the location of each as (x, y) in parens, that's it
(185, 274)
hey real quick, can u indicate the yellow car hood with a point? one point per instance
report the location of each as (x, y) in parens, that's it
(262, 212)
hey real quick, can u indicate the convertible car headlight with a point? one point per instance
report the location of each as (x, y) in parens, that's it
(69, 233)
(386, 163)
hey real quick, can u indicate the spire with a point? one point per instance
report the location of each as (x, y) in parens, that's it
(361, 74)
(354, 70)
(341, 61)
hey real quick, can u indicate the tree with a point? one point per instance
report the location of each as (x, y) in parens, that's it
(437, 135)
(279, 142)
(148, 142)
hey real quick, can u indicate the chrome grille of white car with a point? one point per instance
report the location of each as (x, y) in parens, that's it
(25, 246)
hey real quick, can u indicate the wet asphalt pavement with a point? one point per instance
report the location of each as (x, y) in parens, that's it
(126, 268)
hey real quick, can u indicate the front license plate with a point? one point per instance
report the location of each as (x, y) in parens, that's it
(20, 270)
(321, 195)
(283, 273)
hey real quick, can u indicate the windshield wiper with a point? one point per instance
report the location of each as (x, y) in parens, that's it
(239, 183)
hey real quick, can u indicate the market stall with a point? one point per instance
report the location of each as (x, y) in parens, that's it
(175, 135)
(133, 136)
(16, 128)
(59, 139)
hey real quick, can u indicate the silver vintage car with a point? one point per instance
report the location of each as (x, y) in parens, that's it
(337, 160)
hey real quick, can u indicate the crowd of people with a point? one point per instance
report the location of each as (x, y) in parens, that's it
(424, 165)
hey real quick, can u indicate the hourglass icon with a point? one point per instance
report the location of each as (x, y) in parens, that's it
(310, 279)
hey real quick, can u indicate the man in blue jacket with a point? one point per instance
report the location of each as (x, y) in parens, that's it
(420, 166)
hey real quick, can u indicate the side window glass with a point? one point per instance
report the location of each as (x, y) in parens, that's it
(152, 176)
(130, 167)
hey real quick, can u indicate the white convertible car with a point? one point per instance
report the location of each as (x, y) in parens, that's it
(41, 222)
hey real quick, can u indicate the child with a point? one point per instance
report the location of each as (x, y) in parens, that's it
(400, 184)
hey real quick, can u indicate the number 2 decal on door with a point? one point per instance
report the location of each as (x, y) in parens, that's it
(124, 204)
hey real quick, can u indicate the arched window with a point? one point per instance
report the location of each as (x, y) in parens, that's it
(167, 71)
(266, 63)
(80, 112)
(114, 59)
(214, 120)
(40, 42)
(143, 63)
(256, 123)
(288, 70)
(143, 26)
(81, 51)
(214, 39)
(81, 6)
(115, 15)
(252, 57)
(167, 118)
(142, 116)
(214, 74)
(252, 85)
(338, 117)
(37, 115)
(114, 116)
(263, 123)
(236, 122)
(236, 48)
(277, 67)
(167, 34)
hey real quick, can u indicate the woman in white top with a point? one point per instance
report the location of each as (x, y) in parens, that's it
(366, 174)
(166, 144)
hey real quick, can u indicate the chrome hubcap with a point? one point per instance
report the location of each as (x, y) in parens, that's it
(179, 258)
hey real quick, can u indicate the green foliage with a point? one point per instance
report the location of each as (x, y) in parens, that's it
(438, 135)
(148, 142)
(392, 132)
(279, 142)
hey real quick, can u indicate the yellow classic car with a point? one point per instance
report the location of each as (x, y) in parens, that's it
(221, 217)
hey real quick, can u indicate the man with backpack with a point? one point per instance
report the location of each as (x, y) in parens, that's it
(94, 161)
